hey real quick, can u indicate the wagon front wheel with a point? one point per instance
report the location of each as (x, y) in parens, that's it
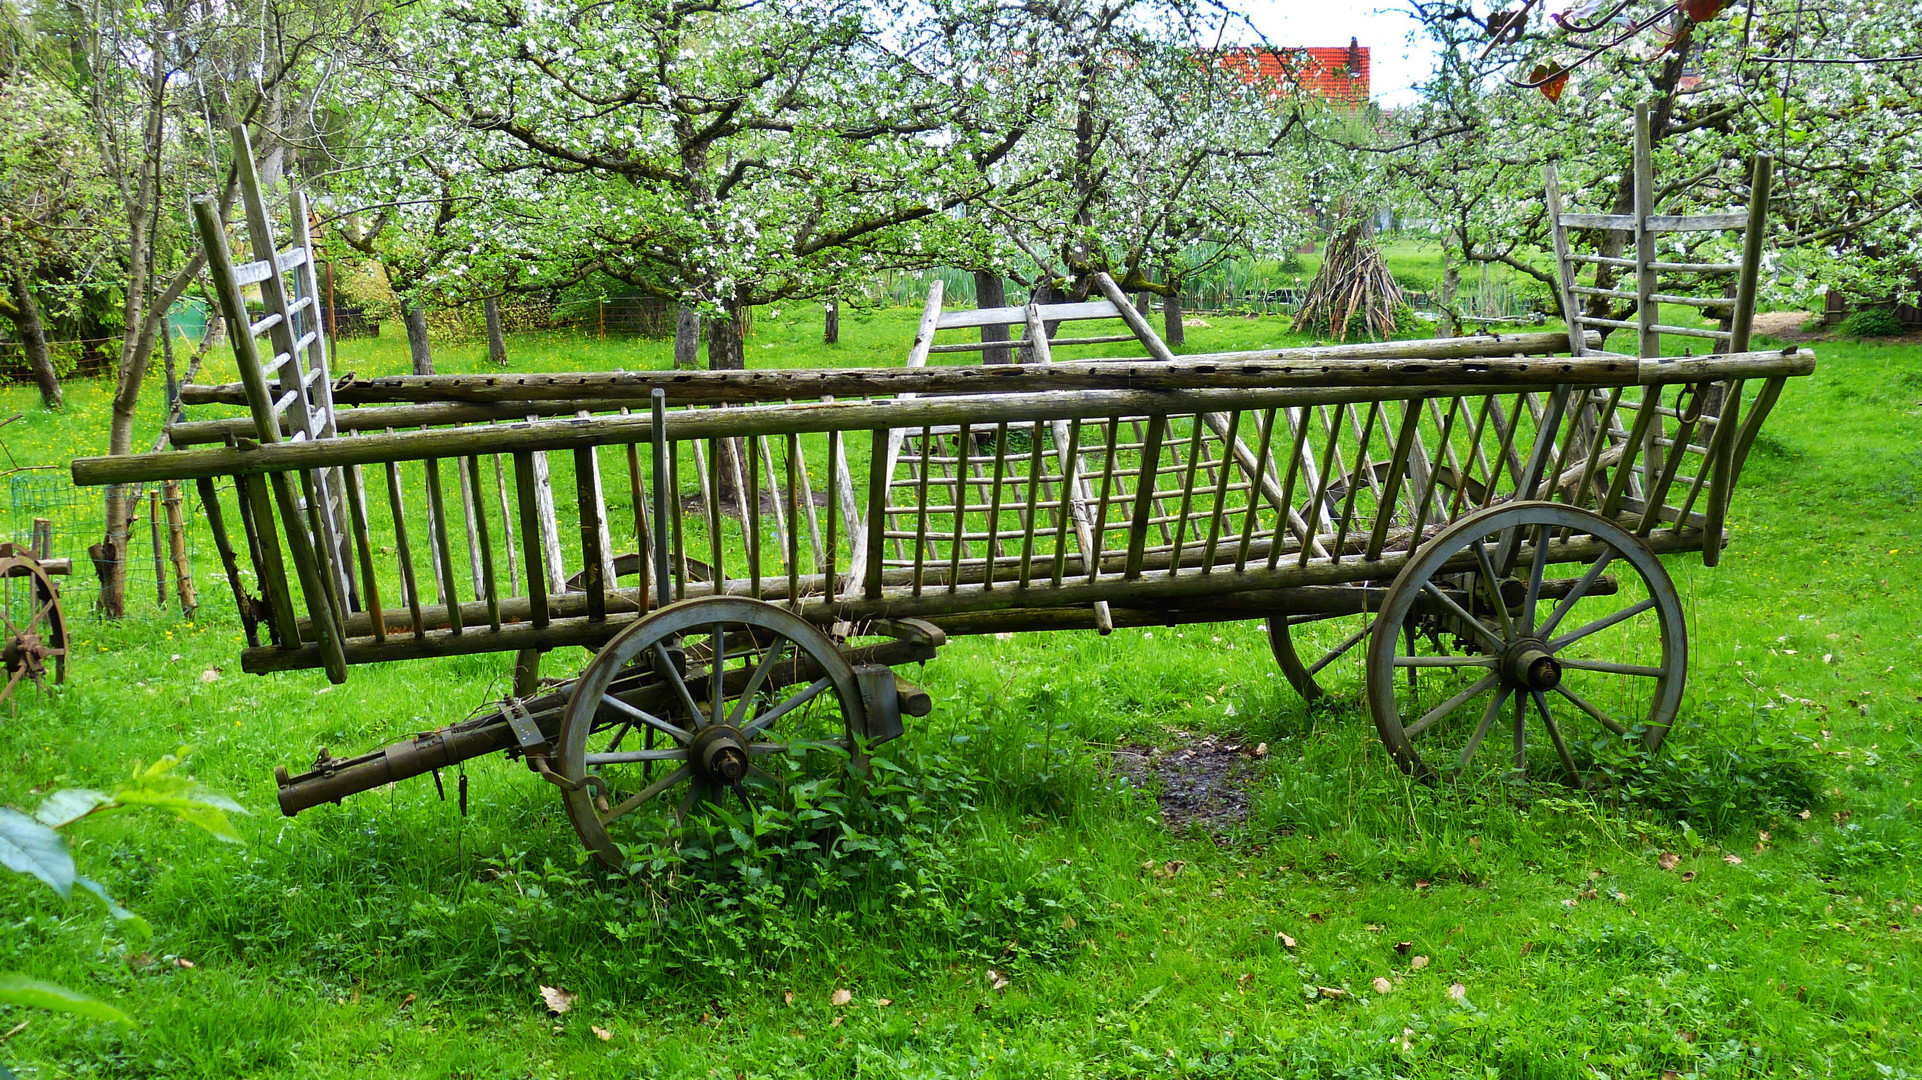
(702, 701)
(1567, 626)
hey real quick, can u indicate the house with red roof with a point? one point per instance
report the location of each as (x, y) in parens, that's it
(1338, 74)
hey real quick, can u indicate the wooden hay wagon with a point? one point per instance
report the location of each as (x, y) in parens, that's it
(1471, 528)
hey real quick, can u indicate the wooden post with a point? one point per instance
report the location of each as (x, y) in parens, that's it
(177, 548)
(159, 561)
(1647, 311)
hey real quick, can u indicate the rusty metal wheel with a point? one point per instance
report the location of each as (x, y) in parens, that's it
(724, 695)
(33, 622)
(1607, 652)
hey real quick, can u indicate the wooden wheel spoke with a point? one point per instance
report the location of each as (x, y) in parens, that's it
(39, 614)
(1612, 668)
(1482, 729)
(754, 681)
(680, 685)
(1445, 661)
(1555, 737)
(643, 716)
(1448, 707)
(1340, 650)
(1491, 583)
(1591, 709)
(629, 804)
(717, 672)
(1487, 635)
(1535, 568)
(1600, 625)
(1521, 733)
(629, 757)
(785, 707)
(1576, 593)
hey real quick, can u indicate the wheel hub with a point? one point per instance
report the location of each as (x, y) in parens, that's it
(1530, 666)
(720, 754)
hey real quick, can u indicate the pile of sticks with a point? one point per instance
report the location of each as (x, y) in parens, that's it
(1353, 282)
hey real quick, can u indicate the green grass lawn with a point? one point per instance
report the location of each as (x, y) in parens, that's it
(1003, 903)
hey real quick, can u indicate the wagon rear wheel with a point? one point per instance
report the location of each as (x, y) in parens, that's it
(33, 628)
(702, 701)
(1548, 659)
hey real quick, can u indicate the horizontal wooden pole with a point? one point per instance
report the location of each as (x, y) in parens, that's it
(610, 388)
(945, 609)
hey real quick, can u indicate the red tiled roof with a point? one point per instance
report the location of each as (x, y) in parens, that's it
(1338, 74)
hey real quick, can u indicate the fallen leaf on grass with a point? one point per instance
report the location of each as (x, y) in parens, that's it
(1331, 992)
(181, 961)
(787, 998)
(1668, 860)
(406, 1001)
(838, 1017)
(1286, 941)
(1402, 947)
(1170, 870)
(841, 997)
(997, 980)
(883, 1002)
(600, 1033)
(1457, 992)
(558, 1000)
(1688, 876)
(1261, 750)
(1732, 860)
(1418, 962)
(212, 674)
(1382, 985)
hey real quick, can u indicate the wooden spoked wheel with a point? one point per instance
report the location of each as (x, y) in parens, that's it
(1521, 657)
(1321, 656)
(34, 625)
(705, 699)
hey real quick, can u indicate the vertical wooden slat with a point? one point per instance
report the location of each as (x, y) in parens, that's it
(486, 547)
(963, 450)
(994, 502)
(1033, 504)
(676, 518)
(1101, 506)
(921, 508)
(1427, 496)
(273, 577)
(716, 520)
(507, 529)
(1366, 468)
(830, 577)
(229, 560)
(469, 497)
(1251, 510)
(1637, 440)
(1330, 465)
(794, 521)
(751, 500)
(529, 516)
(880, 472)
(437, 506)
(1187, 501)
(1297, 460)
(404, 552)
(357, 519)
(776, 501)
(1647, 311)
(1391, 487)
(1223, 474)
(593, 573)
(1144, 495)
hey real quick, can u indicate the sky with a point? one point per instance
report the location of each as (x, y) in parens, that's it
(1396, 64)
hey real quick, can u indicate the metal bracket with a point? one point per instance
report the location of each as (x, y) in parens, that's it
(523, 725)
(882, 702)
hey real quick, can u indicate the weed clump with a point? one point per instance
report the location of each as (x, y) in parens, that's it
(1871, 322)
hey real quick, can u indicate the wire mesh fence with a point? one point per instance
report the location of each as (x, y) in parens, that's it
(44, 512)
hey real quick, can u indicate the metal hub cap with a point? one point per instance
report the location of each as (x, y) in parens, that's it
(1530, 666)
(721, 753)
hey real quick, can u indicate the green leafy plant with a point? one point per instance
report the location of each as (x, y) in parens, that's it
(33, 846)
(1871, 322)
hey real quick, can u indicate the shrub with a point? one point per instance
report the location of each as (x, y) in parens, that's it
(1871, 322)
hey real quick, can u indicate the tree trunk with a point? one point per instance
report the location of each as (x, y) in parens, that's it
(1451, 283)
(992, 292)
(416, 321)
(496, 344)
(1144, 304)
(831, 322)
(1172, 329)
(33, 339)
(724, 352)
(687, 339)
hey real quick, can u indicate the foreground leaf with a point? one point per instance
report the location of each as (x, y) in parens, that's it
(17, 989)
(132, 925)
(68, 805)
(29, 847)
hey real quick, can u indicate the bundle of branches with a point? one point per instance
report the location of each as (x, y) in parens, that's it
(1353, 281)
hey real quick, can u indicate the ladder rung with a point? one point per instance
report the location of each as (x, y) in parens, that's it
(306, 339)
(279, 361)
(286, 399)
(1613, 294)
(264, 325)
(307, 380)
(1697, 268)
(1617, 324)
(252, 273)
(1692, 331)
(291, 258)
(1693, 301)
(303, 302)
(1602, 260)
